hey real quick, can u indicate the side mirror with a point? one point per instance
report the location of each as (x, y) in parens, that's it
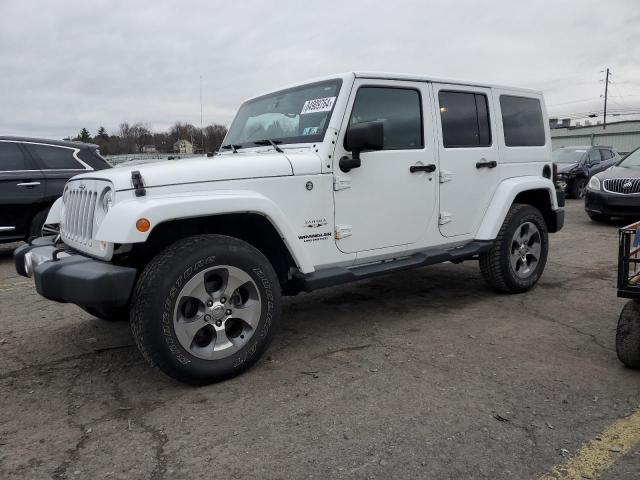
(361, 137)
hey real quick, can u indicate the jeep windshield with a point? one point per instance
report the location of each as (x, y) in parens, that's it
(568, 155)
(296, 115)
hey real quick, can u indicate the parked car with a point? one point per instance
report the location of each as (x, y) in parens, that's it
(576, 165)
(322, 183)
(615, 192)
(33, 173)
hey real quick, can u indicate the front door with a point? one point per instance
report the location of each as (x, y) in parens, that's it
(469, 160)
(382, 203)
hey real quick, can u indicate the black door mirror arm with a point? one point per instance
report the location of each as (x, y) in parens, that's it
(346, 163)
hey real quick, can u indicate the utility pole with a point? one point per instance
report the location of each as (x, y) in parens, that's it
(606, 91)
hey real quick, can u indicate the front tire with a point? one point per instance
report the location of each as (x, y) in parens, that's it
(205, 309)
(577, 188)
(628, 335)
(518, 257)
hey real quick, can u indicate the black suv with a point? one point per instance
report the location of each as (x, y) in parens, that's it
(33, 173)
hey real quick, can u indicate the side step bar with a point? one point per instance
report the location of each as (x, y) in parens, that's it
(337, 275)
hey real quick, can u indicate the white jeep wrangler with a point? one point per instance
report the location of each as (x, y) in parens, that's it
(326, 182)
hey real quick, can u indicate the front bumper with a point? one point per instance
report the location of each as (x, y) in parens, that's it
(611, 204)
(69, 277)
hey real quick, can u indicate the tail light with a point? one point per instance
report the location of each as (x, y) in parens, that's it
(555, 172)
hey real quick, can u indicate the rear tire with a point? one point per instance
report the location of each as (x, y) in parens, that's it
(628, 335)
(37, 222)
(205, 309)
(598, 217)
(518, 257)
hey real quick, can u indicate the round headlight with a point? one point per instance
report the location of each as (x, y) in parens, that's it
(594, 183)
(107, 200)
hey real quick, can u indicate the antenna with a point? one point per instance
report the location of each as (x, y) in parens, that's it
(201, 117)
(606, 92)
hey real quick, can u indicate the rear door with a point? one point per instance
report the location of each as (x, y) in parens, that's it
(468, 156)
(58, 165)
(22, 187)
(608, 158)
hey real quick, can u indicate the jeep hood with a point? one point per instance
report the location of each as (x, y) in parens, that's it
(198, 169)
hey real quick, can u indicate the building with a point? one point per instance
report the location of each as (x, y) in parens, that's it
(623, 136)
(149, 149)
(183, 146)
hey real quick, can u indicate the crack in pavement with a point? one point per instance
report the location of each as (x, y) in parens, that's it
(46, 367)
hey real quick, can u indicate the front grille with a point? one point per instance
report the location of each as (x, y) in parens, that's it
(80, 207)
(82, 216)
(625, 186)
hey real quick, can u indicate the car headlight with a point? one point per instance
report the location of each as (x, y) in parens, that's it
(594, 183)
(107, 200)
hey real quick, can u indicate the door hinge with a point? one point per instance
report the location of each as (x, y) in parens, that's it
(340, 183)
(343, 231)
(445, 217)
(445, 176)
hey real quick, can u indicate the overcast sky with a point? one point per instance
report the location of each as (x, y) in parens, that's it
(73, 64)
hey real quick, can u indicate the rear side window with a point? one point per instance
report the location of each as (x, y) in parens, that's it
(11, 157)
(56, 158)
(606, 154)
(522, 121)
(465, 119)
(397, 108)
(594, 156)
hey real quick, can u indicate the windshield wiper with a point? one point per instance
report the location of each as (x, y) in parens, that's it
(232, 147)
(268, 141)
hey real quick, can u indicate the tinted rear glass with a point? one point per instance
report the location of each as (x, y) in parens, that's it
(11, 157)
(522, 121)
(465, 119)
(56, 158)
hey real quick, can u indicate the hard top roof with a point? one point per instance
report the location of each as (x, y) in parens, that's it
(59, 143)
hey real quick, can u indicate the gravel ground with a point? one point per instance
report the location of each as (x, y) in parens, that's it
(421, 374)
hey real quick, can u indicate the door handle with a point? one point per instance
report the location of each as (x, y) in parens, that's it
(483, 163)
(28, 184)
(422, 168)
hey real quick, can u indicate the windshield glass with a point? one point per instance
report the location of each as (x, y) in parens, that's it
(296, 115)
(568, 155)
(632, 160)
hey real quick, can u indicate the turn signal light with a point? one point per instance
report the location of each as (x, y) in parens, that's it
(143, 225)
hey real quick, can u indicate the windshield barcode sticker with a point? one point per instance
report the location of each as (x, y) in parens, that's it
(318, 105)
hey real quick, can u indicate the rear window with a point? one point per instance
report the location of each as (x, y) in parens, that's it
(606, 154)
(522, 121)
(56, 158)
(465, 119)
(11, 157)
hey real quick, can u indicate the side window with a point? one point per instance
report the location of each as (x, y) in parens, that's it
(522, 121)
(594, 156)
(465, 119)
(397, 108)
(11, 157)
(606, 154)
(56, 158)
